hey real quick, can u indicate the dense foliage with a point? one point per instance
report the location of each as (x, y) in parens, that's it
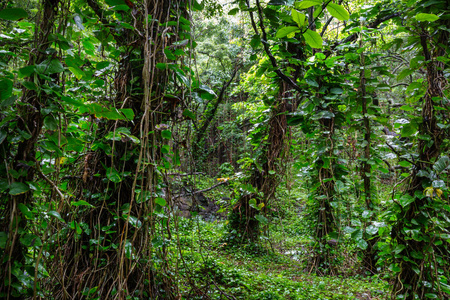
(273, 149)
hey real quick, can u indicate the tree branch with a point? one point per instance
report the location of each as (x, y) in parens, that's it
(372, 25)
(209, 118)
(210, 188)
(269, 53)
(328, 21)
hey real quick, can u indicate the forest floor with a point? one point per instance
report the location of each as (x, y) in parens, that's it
(212, 269)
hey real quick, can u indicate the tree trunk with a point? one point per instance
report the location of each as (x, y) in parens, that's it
(325, 193)
(120, 263)
(242, 218)
(30, 120)
(369, 255)
(420, 252)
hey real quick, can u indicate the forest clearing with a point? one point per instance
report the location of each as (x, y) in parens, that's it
(242, 149)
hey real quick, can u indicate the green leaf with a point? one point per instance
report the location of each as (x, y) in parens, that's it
(160, 201)
(416, 255)
(233, 11)
(25, 210)
(26, 71)
(112, 114)
(74, 225)
(399, 248)
(50, 123)
(287, 30)
(56, 215)
(261, 219)
(298, 18)
(183, 78)
(157, 242)
(71, 101)
(121, 7)
(115, 2)
(167, 134)
(169, 54)
(50, 66)
(338, 11)
(197, 6)
(6, 86)
(77, 72)
(442, 164)
(405, 164)
(336, 91)
(371, 229)
(13, 14)
(113, 175)
(394, 268)
(408, 130)
(405, 200)
(311, 82)
(128, 113)
(307, 3)
(362, 244)
(81, 203)
(426, 17)
(30, 240)
(165, 149)
(366, 214)
(406, 108)
(162, 66)
(134, 221)
(128, 249)
(255, 41)
(189, 114)
(30, 85)
(207, 90)
(17, 188)
(324, 114)
(313, 39)
(404, 73)
(356, 235)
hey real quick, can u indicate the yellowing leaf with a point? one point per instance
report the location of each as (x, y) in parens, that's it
(428, 191)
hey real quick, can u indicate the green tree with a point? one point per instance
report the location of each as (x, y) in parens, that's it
(420, 212)
(41, 70)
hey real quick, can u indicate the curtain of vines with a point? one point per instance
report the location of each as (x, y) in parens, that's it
(103, 214)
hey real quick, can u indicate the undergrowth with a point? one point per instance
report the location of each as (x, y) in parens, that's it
(212, 269)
